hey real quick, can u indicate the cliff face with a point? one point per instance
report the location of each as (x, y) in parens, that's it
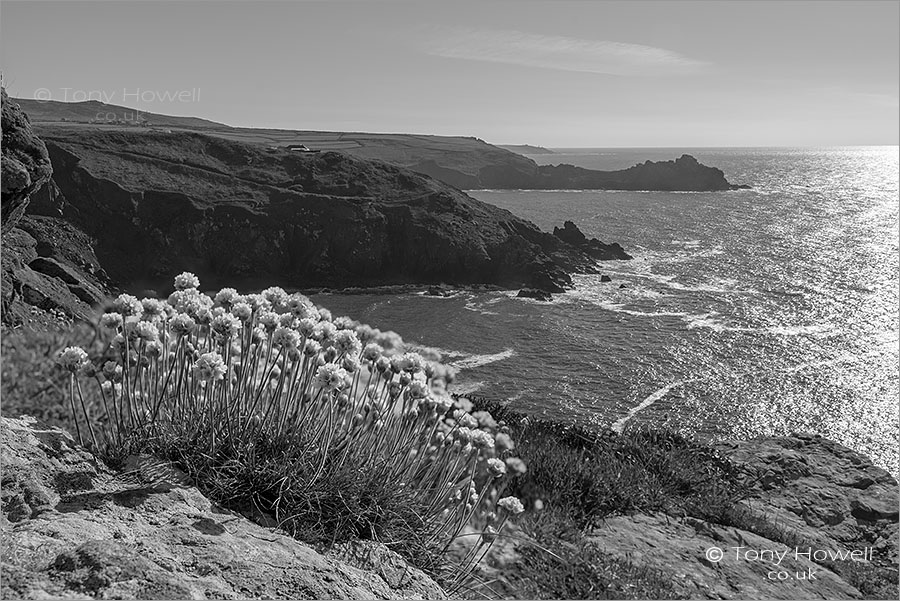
(46, 264)
(24, 164)
(71, 528)
(241, 214)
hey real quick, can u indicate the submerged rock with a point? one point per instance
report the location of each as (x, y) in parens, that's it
(71, 528)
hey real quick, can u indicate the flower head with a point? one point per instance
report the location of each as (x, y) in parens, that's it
(146, 331)
(242, 311)
(209, 367)
(286, 338)
(111, 320)
(516, 465)
(153, 307)
(225, 297)
(346, 341)
(182, 324)
(331, 377)
(186, 280)
(128, 305)
(496, 467)
(511, 504)
(72, 358)
(226, 326)
(372, 352)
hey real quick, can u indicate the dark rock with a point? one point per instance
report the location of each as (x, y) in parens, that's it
(605, 278)
(622, 286)
(24, 166)
(534, 293)
(683, 174)
(570, 234)
(440, 290)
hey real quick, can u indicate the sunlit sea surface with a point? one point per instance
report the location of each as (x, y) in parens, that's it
(743, 313)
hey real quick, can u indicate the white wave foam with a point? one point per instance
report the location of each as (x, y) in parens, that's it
(476, 307)
(473, 361)
(619, 425)
(467, 387)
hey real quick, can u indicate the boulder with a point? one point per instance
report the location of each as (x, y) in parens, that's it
(72, 528)
(605, 278)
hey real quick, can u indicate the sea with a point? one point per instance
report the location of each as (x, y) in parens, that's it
(743, 313)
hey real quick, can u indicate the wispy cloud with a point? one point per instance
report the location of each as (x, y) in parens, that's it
(559, 52)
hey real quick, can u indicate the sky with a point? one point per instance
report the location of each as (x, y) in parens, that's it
(550, 73)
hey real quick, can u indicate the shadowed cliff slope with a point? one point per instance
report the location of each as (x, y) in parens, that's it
(158, 202)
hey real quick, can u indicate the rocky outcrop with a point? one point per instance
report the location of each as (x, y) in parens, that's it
(239, 214)
(24, 166)
(570, 234)
(535, 294)
(47, 267)
(812, 501)
(71, 528)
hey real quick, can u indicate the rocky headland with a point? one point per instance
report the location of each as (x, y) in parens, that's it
(127, 207)
(467, 163)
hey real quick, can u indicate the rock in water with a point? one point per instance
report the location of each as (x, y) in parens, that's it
(570, 234)
(71, 528)
(534, 293)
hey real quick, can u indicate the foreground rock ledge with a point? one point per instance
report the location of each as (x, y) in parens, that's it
(811, 491)
(73, 529)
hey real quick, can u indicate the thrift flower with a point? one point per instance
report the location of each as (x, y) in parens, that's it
(128, 305)
(330, 377)
(242, 311)
(225, 297)
(111, 320)
(182, 324)
(209, 367)
(186, 280)
(286, 338)
(72, 358)
(511, 504)
(372, 352)
(496, 467)
(516, 465)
